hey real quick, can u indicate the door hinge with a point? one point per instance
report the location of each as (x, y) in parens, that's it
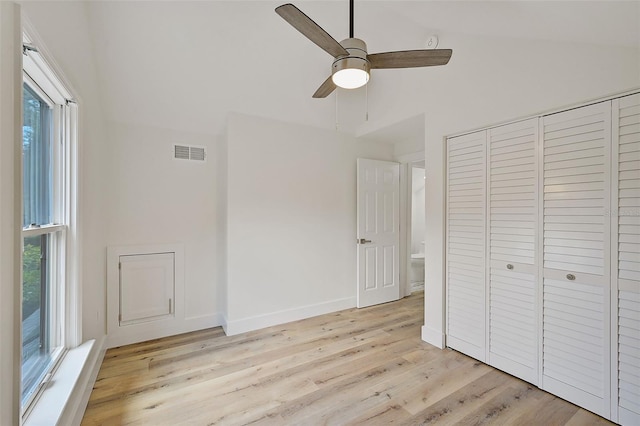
(119, 265)
(170, 303)
(119, 317)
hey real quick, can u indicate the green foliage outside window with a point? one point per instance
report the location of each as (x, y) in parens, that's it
(31, 275)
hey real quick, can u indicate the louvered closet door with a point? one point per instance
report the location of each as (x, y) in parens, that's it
(466, 244)
(576, 290)
(513, 209)
(626, 125)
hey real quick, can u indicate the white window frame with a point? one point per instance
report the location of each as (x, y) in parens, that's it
(40, 73)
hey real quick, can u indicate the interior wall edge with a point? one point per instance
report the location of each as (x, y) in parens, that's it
(10, 209)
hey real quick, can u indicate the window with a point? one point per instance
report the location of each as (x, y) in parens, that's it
(48, 165)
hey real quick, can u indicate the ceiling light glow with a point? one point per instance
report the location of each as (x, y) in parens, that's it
(350, 78)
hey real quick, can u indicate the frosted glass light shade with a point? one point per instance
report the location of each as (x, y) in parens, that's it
(350, 78)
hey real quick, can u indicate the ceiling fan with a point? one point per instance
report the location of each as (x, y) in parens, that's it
(352, 63)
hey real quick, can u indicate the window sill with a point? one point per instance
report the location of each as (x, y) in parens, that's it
(65, 393)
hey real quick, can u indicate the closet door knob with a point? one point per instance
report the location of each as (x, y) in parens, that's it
(571, 277)
(509, 266)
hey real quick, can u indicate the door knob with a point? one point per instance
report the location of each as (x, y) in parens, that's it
(363, 241)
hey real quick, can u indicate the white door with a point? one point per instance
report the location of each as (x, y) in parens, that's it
(626, 258)
(466, 250)
(513, 310)
(378, 232)
(576, 235)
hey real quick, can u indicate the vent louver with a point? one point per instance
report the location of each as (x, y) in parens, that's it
(181, 152)
(186, 152)
(197, 153)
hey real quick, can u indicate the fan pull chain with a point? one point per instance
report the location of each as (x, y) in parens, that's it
(337, 91)
(366, 107)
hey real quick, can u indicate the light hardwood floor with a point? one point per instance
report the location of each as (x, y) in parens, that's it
(359, 366)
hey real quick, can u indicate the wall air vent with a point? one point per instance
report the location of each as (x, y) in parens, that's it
(181, 152)
(197, 153)
(186, 152)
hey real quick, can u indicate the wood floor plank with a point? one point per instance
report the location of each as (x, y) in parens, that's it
(586, 418)
(379, 400)
(458, 371)
(493, 410)
(317, 405)
(358, 366)
(454, 407)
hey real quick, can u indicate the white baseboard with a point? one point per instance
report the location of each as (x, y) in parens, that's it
(281, 317)
(224, 322)
(433, 337)
(157, 329)
(417, 286)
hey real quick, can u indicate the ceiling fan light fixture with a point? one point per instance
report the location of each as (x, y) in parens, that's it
(350, 78)
(351, 72)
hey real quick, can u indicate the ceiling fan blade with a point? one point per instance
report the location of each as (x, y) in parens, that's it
(410, 58)
(325, 88)
(311, 30)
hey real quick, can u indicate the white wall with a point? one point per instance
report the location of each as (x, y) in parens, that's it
(410, 145)
(10, 220)
(291, 220)
(221, 224)
(417, 209)
(155, 199)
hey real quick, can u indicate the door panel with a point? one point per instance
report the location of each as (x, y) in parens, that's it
(576, 292)
(378, 232)
(626, 259)
(466, 165)
(512, 320)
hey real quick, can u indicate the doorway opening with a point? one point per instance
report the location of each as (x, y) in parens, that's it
(417, 227)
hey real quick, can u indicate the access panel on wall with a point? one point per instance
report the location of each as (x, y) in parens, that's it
(145, 293)
(147, 287)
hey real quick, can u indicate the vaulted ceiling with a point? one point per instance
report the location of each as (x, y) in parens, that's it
(190, 63)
